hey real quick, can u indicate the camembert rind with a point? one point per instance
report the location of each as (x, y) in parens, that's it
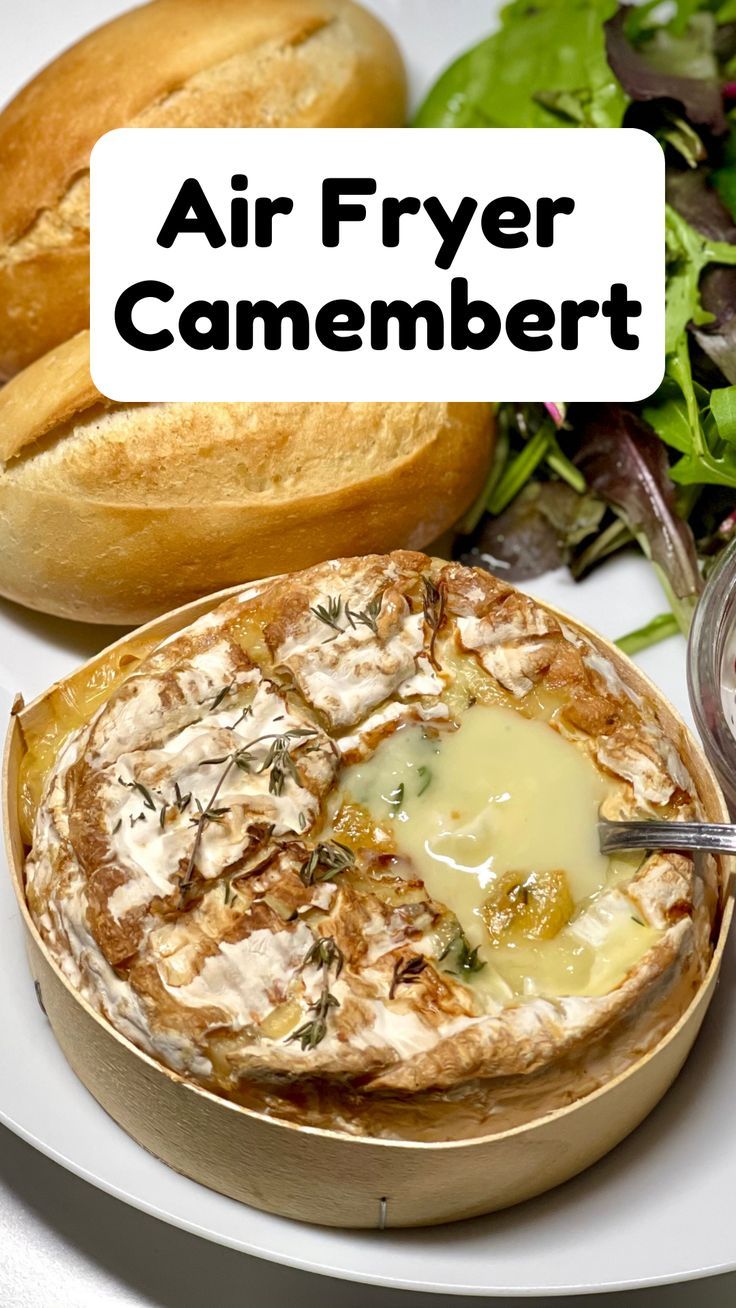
(210, 964)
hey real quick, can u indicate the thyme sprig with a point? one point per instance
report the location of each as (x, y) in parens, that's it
(333, 610)
(325, 861)
(281, 765)
(209, 814)
(219, 697)
(407, 972)
(242, 758)
(367, 617)
(329, 614)
(467, 959)
(324, 953)
(434, 601)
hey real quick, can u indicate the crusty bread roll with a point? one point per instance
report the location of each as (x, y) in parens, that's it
(117, 512)
(171, 63)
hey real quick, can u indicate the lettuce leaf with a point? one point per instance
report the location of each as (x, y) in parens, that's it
(546, 67)
(625, 463)
(670, 66)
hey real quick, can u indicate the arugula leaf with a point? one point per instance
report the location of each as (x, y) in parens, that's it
(723, 408)
(702, 207)
(546, 67)
(667, 414)
(688, 254)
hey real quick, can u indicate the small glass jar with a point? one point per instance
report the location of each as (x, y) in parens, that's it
(712, 671)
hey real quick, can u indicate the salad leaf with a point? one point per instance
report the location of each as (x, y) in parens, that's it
(664, 625)
(724, 177)
(691, 194)
(717, 337)
(670, 66)
(688, 254)
(702, 207)
(545, 67)
(683, 138)
(665, 468)
(625, 463)
(667, 414)
(723, 409)
(536, 533)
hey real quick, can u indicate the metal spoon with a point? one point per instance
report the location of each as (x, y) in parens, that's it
(717, 837)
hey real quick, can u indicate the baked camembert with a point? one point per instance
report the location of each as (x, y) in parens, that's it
(331, 852)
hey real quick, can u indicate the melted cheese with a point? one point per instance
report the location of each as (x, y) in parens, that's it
(507, 794)
(68, 706)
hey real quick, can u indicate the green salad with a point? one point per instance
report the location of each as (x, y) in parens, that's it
(574, 484)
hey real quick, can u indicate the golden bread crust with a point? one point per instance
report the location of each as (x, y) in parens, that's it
(170, 63)
(116, 513)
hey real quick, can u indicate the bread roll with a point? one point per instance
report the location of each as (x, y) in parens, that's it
(114, 512)
(171, 63)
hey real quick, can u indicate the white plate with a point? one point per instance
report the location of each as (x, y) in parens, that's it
(656, 1210)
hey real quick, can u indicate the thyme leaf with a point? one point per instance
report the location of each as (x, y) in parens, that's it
(329, 614)
(310, 1034)
(142, 790)
(368, 616)
(324, 953)
(407, 972)
(208, 814)
(220, 696)
(467, 958)
(395, 797)
(425, 779)
(182, 801)
(433, 602)
(330, 856)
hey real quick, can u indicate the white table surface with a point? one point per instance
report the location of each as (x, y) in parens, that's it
(64, 1244)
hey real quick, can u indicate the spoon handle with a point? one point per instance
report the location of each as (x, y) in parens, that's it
(717, 837)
